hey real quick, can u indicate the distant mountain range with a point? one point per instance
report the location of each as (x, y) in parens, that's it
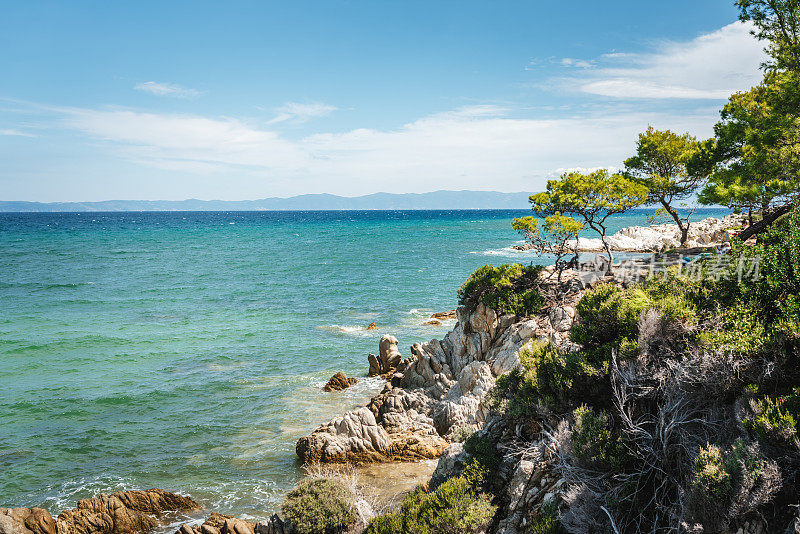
(437, 200)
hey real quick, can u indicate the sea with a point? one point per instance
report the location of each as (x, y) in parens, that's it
(187, 350)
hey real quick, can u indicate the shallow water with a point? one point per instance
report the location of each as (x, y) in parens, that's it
(186, 351)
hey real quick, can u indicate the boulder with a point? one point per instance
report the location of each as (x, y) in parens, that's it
(26, 521)
(388, 359)
(219, 524)
(433, 322)
(444, 316)
(354, 437)
(372, 326)
(389, 355)
(339, 382)
(123, 512)
(275, 525)
(374, 365)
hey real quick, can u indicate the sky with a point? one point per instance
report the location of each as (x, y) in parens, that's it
(168, 100)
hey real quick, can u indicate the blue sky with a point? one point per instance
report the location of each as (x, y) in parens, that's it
(244, 100)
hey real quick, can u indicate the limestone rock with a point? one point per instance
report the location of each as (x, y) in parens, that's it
(374, 365)
(339, 382)
(275, 525)
(353, 437)
(123, 512)
(26, 521)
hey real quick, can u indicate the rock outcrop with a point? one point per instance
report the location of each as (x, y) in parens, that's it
(338, 382)
(388, 358)
(123, 512)
(26, 521)
(442, 387)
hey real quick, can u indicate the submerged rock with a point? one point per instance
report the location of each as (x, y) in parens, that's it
(372, 326)
(338, 382)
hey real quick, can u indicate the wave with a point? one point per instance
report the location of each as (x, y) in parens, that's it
(349, 330)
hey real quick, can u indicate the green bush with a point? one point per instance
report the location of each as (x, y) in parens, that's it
(609, 315)
(774, 421)
(319, 506)
(716, 472)
(544, 378)
(711, 475)
(455, 507)
(608, 320)
(546, 520)
(483, 449)
(462, 433)
(593, 441)
(508, 289)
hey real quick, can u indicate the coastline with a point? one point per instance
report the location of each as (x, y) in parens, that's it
(454, 374)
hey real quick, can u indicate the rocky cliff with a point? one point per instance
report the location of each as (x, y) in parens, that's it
(441, 388)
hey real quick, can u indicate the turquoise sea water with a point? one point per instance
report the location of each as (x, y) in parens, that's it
(186, 351)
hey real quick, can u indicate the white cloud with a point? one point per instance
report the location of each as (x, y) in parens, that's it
(711, 66)
(166, 89)
(17, 133)
(579, 63)
(477, 147)
(297, 112)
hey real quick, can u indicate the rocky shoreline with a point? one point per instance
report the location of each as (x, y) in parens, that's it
(431, 399)
(708, 232)
(440, 390)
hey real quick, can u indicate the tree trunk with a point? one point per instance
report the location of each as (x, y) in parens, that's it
(608, 253)
(768, 218)
(684, 229)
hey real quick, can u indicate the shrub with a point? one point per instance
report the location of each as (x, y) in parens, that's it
(455, 507)
(593, 441)
(710, 474)
(508, 289)
(609, 315)
(773, 421)
(462, 433)
(546, 520)
(727, 484)
(319, 506)
(608, 319)
(545, 377)
(483, 449)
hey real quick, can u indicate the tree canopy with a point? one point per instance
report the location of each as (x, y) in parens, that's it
(660, 164)
(592, 197)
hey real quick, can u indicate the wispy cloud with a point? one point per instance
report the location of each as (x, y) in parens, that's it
(18, 133)
(711, 66)
(166, 89)
(298, 112)
(579, 63)
(471, 145)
